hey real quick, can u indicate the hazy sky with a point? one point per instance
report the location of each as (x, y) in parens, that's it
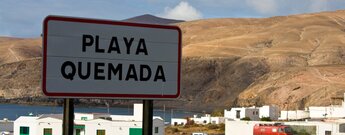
(23, 18)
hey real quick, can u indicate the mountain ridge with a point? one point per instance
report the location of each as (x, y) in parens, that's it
(151, 19)
(297, 60)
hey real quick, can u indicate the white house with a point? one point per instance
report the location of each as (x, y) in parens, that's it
(269, 111)
(178, 121)
(332, 111)
(86, 124)
(25, 125)
(294, 115)
(137, 114)
(239, 113)
(327, 112)
(207, 119)
(240, 127)
(47, 124)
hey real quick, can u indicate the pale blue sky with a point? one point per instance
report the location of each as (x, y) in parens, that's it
(23, 18)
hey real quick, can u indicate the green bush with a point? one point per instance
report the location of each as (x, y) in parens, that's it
(265, 119)
(246, 119)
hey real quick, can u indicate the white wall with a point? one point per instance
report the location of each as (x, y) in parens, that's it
(54, 124)
(198, 121)
(138, 112)
(124, 117)
(178, 121)
(294, 115)
(120, 124)
(120, 127)
(161, 127)
(269, 111)
(217, 120)
(227, 114)
(232, 113)
(238, 127)
(331, 111)
(92, 126)
(252, 113)
(207, 119)
(26, 121)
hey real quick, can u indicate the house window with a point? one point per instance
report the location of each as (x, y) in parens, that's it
(101, 132)
(280, 130)
(77, 131)
(83, 118)
(47, 131)
(24, 130)
(156, 129)
(238, 114)
(135, 131)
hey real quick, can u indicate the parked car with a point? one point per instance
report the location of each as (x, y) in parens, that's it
(272, 129)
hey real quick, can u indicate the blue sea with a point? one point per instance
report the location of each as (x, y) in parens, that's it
(13, 111)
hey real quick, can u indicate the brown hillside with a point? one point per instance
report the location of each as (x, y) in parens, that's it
(298, 59)
(295, 59)
(17, 49)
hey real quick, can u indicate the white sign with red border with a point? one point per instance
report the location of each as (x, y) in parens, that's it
(110, 59)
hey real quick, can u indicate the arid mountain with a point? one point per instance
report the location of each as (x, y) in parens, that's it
(150, 19)
(20, 67)
(297, 60)
(17, 49)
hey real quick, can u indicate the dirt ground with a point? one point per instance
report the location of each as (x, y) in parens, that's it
(210, 129)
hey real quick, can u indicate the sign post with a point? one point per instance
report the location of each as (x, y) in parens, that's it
(90, 58)
(147, 117)
(68, 116)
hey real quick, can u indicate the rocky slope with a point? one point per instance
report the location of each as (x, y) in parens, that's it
(297, 60)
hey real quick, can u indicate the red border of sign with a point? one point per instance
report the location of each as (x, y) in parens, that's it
(108, 22)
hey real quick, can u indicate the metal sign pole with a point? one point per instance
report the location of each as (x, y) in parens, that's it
(147, 117)
(68, 116)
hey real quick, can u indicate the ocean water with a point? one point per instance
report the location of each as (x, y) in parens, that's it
(13, 111)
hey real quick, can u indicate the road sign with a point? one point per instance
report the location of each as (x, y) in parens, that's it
(105, 59)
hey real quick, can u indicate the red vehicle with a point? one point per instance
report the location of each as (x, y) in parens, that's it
(272, 129)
